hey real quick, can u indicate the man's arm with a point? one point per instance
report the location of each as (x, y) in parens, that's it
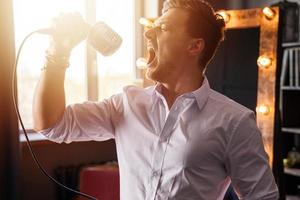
(49, 99)
(247, 162)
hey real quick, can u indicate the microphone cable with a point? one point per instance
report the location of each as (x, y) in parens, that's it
(14, 95)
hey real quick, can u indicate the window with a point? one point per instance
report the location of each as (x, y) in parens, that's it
(113, 72)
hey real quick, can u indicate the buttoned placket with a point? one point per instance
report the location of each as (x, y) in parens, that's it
(173, 117)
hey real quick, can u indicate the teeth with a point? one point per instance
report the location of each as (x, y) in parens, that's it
(151, 55)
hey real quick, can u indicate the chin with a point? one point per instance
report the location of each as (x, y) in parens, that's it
(155, 76)
(150, 75)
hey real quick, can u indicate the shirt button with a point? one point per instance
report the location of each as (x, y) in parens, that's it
(155, 174)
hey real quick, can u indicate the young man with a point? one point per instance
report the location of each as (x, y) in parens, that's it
(178, 139)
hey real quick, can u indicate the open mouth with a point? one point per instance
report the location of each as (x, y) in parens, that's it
(151, 56)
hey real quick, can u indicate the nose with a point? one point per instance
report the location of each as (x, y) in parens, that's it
(150, 33)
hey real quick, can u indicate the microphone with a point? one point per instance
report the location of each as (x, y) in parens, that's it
(104, 39)
(100, 36)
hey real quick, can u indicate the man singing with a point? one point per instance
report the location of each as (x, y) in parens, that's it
(178, 139)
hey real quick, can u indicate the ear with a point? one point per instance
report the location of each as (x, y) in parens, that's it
(196, 46)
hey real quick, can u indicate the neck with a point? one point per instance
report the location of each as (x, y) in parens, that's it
(175, 88)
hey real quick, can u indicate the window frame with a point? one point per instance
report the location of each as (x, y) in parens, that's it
(91, 62)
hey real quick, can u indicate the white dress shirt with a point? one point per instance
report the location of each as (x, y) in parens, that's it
(191, 152)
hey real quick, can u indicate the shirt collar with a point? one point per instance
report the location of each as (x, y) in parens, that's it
(201, 94)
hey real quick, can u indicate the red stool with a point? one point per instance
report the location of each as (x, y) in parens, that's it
(101, 181)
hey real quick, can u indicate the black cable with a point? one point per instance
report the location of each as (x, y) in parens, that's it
(14, 94)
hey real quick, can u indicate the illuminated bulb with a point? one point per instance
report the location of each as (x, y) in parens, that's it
(269, 13)
(225, 15)
(264, 61)
(141, 63)
(263, 109)
(146, 22)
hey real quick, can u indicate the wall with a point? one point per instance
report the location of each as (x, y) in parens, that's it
(34, 185)
(233, 71)
(9, 140)
(263, 3)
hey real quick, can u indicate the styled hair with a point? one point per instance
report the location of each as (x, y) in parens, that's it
(204, 23)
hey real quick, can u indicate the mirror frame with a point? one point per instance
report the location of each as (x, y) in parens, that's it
(266, 88)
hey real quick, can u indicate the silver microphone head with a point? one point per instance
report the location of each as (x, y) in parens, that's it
(104, 39)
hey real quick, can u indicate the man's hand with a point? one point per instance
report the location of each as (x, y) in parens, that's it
(69, 29)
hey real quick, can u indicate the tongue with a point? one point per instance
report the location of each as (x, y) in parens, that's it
(151, 56)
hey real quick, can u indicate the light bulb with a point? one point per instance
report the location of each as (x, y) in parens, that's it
(225, 15)
(269, 13)
(264, 61)
(264, 109)
(146, 22)
(141, 63)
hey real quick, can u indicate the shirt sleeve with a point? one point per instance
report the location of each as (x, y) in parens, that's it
(87, 121)
(247, 162)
